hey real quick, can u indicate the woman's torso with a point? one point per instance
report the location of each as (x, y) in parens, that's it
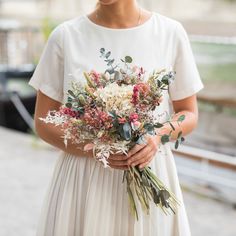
(151, 46)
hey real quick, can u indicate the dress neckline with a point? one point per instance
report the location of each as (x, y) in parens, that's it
(101, 27)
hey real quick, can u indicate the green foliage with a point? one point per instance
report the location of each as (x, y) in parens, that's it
(48, 26)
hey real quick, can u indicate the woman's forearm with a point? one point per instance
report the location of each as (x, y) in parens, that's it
(54, 135)
(186, 126)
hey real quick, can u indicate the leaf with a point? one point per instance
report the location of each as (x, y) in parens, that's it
(179, 134)
(165, 139)
(112, 114)
(176, 144)
(181, 118)
(156, 197)
(71, 93)
(149, 127)
(165, 194)
(128, 59)
(165, 80)
(108, 54)
(127, 131)
(80, 109)
(141, 140)
(68, 104)
(110, 62)
(158, 125)
(69, 99)
(110, 71)
(117, 75)
(102, 50)
(82, 100)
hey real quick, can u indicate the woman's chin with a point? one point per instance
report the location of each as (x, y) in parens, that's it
(107, 2)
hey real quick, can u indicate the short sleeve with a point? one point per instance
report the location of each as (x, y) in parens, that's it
(49, 73)
(187, 80)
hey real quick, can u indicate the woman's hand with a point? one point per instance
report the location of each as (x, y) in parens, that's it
(118, 162)
(143, 154)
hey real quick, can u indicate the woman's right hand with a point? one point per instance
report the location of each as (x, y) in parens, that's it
(118, 161)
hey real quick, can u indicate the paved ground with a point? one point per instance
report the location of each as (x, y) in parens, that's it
(26, 167)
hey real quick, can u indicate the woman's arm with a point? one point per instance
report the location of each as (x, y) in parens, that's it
(143, 154)
(50, 133)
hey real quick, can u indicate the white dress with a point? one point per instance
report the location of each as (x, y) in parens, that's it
(83, 198)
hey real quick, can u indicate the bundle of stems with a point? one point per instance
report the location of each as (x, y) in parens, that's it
(148, 187)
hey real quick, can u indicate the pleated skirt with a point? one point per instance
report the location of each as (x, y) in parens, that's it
(85, 199)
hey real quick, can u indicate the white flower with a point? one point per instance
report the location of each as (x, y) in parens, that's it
(115, 97)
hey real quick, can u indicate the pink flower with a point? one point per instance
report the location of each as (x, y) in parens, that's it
(95, 76)
(97, 118)
(140, 88)
(137, 123)
(133, 117)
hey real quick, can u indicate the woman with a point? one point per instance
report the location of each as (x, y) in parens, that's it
(83, 198)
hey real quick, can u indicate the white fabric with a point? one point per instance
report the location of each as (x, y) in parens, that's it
(83, 198)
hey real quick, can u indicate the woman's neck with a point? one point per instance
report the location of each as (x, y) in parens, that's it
(120, 14)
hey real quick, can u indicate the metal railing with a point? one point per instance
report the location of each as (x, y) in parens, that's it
(206, 159)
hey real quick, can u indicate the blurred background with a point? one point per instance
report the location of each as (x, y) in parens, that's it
(206, 162)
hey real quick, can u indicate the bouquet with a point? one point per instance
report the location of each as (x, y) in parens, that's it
(112, 112)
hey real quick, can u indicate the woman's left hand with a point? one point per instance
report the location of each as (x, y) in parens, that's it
(142, 154)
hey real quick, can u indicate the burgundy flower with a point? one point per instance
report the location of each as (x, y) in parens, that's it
(68, 111)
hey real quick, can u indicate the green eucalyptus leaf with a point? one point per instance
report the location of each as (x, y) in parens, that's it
(110, 62)
(127, 131)
(156, 197)
(158, 125)
(165, 194)
(102, 50)
(117, 75)
(165, 80)
(149, 128)
(110, 71)
(165, 139)
(71, 93)
(68, 104)
(141, 140)
(181, 118)
(128, 59)
(108, 54)
(69, 99)
(176, 144)
(112, 114)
